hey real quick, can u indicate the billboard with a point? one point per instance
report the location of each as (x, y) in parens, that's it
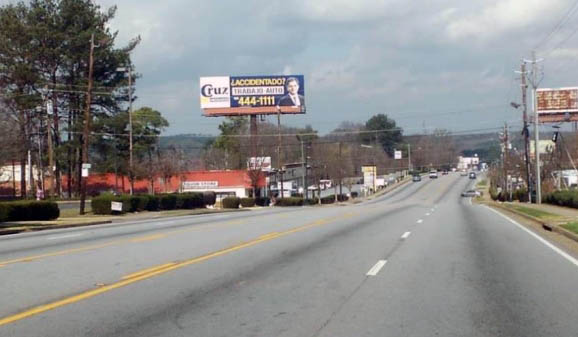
(556, 101)
(397, 154)
(252, 94)
(259, 163)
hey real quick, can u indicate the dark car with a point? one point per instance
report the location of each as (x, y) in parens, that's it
(416, 178)
(472, 175)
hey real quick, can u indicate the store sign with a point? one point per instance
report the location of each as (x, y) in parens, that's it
(199, 185)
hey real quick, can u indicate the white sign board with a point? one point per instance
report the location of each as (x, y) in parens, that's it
(116, 206)
(199, 185)
(215, 92)
(84, 172)
(397, 154)
(259, 163)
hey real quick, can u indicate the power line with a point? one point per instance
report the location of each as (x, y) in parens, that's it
(568, 14)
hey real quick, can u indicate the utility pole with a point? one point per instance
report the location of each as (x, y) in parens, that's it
(526, 131)
(533, 78)
(409, 168)
(304, 167)
(340, 174)
(505, 161)
(50, 147)
(130, 145)
(86, 132)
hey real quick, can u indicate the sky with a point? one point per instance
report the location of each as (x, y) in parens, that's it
(427, 64)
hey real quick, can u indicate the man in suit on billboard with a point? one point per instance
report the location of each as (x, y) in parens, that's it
(292, 98)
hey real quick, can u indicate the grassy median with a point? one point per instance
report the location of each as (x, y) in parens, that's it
(536, 213)
(571, 226)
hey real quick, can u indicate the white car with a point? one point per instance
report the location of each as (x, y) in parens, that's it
(433, 174)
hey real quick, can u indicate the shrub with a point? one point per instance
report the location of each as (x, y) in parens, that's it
(153, 203)
(138, 203)
(231, 202)
(190, 201)
(209, 198)
(29, 211)
(248, 202)
(328, 200)
(311, 201)
(168, 202)
(262, 201)
(101, 204)
(292, 201)
(354, 195)
(3, 212)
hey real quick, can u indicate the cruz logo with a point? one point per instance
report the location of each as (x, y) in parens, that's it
(208, 90)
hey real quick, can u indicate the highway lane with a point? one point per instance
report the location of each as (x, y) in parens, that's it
(417, 262)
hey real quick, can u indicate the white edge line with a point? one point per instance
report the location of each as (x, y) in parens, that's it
(427, 214)
(376, 268)
(406, 235)
(420, 221)
(64, 236)
(538, 237)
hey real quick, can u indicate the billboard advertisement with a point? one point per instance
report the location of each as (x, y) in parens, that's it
(259, 163)
(558, 101)
(271, 91)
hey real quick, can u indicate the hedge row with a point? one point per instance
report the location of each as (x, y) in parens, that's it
(231, 202)
(566, 198)
(248, 202)
(331, 199)
(153, 203)
(28, 211)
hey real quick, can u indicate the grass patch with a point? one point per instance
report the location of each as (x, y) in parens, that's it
(533, 212)
(571, 226)
(482, 183)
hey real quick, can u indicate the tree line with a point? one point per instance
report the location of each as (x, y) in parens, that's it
(44, 62)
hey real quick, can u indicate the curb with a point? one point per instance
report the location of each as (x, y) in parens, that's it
(546, 226)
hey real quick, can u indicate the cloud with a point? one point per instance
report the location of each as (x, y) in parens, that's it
(499, 17)
(358, 57)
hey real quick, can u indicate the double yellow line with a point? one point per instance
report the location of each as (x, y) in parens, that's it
(161, 269)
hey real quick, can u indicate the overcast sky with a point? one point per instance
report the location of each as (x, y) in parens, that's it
(427, 64)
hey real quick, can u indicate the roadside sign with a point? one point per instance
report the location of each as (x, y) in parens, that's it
(397, 154)
(116, 206)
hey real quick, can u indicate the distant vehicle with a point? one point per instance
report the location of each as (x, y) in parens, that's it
(444, 172)
(472, 175)
(471, 193)
(433, 174)
(463, 173)
(416, 178)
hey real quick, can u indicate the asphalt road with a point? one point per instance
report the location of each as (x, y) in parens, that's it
(419, 261)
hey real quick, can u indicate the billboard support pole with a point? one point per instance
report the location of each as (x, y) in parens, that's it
(279, 150)
(253, 132)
